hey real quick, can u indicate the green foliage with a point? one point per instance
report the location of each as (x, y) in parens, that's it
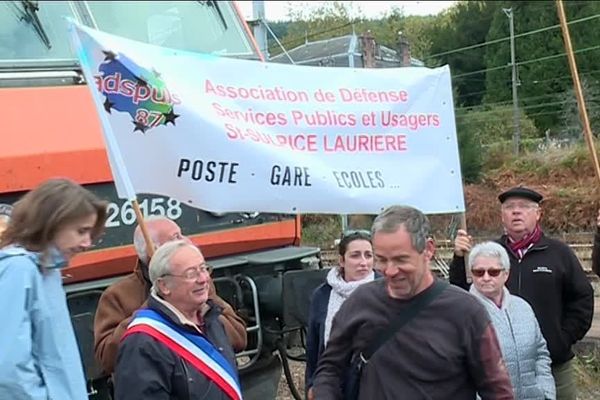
(417, 29)
(587, 372)
(463, 25)
(470, 152)
(571, 127)
(332, 19)
(543, 79)
(494, 124)
(326, 20)
(576, 159)
(485, 138)
(280, 29)
(320, 229)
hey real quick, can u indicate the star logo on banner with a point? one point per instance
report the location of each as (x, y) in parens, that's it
(108, 105)
(138, 91)
(109, 55)
(170, 117)
(139, 126)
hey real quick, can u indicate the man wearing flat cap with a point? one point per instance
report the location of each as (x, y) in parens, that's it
(547, 274)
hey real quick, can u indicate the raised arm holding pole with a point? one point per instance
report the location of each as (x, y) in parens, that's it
(140, 220)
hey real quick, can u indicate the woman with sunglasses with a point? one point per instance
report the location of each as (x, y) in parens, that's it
(521, 341)
(355, 268)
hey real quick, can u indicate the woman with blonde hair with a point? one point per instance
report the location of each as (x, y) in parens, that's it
(39, 354)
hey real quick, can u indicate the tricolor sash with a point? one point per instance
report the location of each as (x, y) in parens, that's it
(195, 349)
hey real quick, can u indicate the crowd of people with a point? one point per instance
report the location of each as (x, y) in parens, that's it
(381, 326)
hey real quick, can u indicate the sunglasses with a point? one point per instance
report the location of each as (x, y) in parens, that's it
(491, 272)
(356, 232)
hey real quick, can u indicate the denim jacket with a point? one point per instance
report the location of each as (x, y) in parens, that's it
(39, 357)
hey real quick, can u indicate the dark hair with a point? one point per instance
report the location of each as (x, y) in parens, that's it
(414, 221)
(350, 236)
(39, 214)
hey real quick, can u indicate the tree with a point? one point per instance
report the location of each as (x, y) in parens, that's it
(333, 19)
(543, 74)
(463, 25)
(324, 21)
(417, 29)
(280, 29)
(572, 128)
(485, 134)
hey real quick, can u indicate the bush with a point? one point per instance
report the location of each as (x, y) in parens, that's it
(485, 139)
(470, 153)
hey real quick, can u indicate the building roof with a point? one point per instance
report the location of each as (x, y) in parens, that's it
(341, 51)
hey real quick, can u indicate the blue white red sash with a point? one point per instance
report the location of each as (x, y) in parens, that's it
(195, 349)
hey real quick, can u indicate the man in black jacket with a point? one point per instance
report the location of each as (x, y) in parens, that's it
(547, 274)
(596, 248)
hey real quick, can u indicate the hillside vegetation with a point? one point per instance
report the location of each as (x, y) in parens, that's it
(565, 177)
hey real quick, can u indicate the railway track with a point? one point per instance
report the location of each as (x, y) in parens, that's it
(583, 251)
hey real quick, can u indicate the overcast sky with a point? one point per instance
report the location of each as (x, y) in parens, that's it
(277, 10)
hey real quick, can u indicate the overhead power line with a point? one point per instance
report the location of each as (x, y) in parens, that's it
(312, 35)
(533, 82)
(533, 106)
(505, 102)
(508, 118)
(474, 46)
(584, 50)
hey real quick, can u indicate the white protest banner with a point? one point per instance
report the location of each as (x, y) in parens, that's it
(224, 134)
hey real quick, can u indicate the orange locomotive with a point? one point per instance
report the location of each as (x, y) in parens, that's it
(50, 128)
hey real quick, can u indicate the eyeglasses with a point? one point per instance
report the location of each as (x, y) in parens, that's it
(192, 274)
(493, 272)
(356, 232)
(520, 206)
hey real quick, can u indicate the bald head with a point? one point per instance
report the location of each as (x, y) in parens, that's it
(161, 230)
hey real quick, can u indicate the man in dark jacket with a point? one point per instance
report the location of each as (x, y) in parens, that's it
(176, 348)
(547, 274)
(596, 248)
(120, 300)
(448, 348)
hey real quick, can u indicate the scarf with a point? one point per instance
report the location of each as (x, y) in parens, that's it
(520, 247)
(340, 291)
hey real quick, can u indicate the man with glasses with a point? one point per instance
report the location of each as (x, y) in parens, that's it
(547, 274)
(446, 348)
(120, 300)
(176, 347)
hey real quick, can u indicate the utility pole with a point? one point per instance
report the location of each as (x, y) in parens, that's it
(517, 127)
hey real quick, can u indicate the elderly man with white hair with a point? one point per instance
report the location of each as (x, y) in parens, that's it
(176, 348)
(523, 346)
(121, 299)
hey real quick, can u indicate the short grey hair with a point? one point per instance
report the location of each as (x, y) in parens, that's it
(139, 243)
(160, 264)
(414, 221)
(491, 250)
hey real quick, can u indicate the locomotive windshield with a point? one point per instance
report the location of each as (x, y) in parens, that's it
(33, 34)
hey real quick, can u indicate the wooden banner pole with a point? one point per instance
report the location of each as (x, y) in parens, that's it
(142, 224)
(589, 138)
